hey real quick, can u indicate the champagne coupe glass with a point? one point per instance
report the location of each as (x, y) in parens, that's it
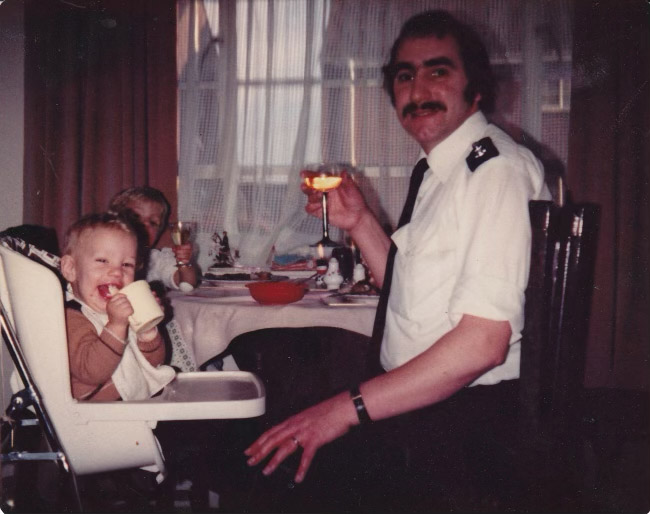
(182, 232)
(324, 178)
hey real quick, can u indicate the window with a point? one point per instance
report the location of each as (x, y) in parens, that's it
(268, 85)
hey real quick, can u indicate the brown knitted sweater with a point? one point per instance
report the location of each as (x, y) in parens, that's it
(93, 358)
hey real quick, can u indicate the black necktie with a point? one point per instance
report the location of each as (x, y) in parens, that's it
(380, 317)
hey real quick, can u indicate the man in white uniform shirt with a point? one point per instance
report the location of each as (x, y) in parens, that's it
(455, 310)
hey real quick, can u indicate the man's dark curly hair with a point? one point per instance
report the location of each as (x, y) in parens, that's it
(476, 60)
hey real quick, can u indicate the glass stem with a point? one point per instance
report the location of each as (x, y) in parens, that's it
(325, 221)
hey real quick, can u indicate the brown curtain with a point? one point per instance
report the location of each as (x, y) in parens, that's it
(100, 104)
(608, 165)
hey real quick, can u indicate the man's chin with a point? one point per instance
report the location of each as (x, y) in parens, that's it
(427, 138)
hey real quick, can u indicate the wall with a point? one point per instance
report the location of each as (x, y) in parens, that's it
(11, 132)
(11, 113)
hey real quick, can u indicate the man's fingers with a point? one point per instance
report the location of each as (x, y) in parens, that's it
(283, 451)
(305, 462)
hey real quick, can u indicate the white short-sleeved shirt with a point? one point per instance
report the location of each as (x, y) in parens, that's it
(467, 247)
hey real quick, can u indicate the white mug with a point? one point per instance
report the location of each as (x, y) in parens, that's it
(146, 311)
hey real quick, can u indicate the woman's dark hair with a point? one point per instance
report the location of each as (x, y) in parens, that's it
(480, 79)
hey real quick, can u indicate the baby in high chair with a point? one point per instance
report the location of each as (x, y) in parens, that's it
(108, 360)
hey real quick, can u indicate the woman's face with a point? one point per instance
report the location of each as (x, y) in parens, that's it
(151, 217)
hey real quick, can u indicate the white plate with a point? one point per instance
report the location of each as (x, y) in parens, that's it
(222, 283)
(239, 283)
(231, 270)
(350, 300)
(295, 273)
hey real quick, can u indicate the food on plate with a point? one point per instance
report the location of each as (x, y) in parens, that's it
(239, 277)
(363, 287)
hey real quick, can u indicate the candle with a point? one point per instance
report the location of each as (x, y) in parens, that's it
(321, 261)
(356, 254)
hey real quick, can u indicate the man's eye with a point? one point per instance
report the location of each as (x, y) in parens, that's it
(439, 72)
(404, 76)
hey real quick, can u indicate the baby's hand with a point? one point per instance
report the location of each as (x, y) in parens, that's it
(119, 309)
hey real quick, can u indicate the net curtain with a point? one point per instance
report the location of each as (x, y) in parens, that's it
(266, 86)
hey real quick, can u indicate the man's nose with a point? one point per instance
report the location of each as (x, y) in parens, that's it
(419, 88)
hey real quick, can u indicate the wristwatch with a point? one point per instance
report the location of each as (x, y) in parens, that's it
(359, 406)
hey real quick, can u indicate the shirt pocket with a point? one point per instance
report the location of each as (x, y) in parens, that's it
(425, 268)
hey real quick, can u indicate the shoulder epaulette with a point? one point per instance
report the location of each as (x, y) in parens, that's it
(483, 150)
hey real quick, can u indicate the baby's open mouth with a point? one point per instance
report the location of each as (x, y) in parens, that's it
(107, 291)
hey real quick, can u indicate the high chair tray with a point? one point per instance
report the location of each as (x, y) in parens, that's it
(193, 395)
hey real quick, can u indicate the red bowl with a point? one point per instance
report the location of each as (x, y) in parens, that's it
(276, 293)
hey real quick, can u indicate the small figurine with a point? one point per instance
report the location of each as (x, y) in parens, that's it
(221, 250)
(333, 278)
(359, 273)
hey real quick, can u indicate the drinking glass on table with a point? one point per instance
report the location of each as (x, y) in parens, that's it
(181, 233)
(324, 178)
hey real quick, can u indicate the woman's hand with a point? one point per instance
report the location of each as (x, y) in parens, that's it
(311, 429)
(183, 253)
(186, 272)
(345, 204)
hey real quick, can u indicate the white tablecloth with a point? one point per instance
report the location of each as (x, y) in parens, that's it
(211, 317)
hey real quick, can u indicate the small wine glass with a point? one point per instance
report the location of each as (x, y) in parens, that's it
(181, 233)
(324, 177)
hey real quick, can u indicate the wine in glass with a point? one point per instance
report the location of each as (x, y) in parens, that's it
(181, 233)
(324, 178)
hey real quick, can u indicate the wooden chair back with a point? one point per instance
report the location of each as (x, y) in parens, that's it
(558, 298)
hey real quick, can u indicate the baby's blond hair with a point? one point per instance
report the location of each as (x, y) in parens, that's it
(93, 221)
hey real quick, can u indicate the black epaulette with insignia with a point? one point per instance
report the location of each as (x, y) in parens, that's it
(482, 151)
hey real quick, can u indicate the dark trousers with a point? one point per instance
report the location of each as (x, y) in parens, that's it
(452, 456)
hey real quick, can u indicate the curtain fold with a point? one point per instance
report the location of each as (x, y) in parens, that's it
(100, 104)
(609, 158)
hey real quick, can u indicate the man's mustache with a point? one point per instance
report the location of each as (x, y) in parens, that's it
(429, 106)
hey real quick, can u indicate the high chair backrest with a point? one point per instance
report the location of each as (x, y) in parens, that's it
(34, 298)
(558, 295)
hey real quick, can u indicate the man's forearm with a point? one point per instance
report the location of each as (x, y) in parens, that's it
(372, 241)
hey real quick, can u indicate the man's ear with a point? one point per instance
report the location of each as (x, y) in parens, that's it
(68, 268)
(477, 99)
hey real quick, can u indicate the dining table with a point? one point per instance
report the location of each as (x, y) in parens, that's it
(210, 317)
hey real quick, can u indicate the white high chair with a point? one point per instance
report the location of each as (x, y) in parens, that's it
(99, 436)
